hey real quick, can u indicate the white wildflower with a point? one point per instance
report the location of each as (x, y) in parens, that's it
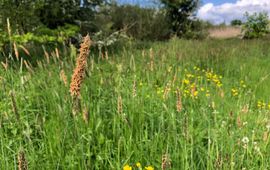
(268, 127)
(245, 140)
(223, 123)
(257, 149)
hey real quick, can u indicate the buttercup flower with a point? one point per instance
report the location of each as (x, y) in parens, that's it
(138, 164)
(127, 167)
(149, 168)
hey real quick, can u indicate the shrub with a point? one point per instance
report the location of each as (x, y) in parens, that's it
(140, 23)
(256, 25)
(236, 22)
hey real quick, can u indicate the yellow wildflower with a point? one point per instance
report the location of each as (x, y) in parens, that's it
(263, 105)
(186, 91)
(195, 94)
(235, 92)
(219, 84)
(207, 93)
(243, 84)
(138, 164)
(186, 81)
(190, 76)
(196, 68)
(149, 168)
(127, 167)
(259, 104)
(169, 69)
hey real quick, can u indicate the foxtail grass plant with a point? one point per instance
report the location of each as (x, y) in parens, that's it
(79, 73)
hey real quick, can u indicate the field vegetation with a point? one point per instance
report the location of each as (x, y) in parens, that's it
(166, 105)
(93, 84)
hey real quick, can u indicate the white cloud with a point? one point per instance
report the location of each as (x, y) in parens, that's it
(229, 11)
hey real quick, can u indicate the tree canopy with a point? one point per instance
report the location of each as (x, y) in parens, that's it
(28, 16)
(180, 13)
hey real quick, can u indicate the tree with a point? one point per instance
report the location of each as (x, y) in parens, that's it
(27, 15)
(256, 25)
(140, 23)
(236, 22)
(21, 13)
(56, 13)
(180, 13)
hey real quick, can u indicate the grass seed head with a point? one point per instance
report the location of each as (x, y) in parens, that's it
(22, 162)
(63, 77)
(119, 105)
(85, 115)
(79, 71)
(151, 54)
(179, 106)
(14, 105)
(16, 51)
(25, 50)
(5, 65)
(134, 91)
(166, 162)
(167, 90)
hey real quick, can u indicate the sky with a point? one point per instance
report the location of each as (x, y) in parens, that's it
(219, 11)
(218, 2)
(142, 2)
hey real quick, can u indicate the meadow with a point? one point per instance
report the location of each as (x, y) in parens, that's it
(182, 104)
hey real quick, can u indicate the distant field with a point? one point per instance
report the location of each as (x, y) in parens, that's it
(183, 104)
(226, 32)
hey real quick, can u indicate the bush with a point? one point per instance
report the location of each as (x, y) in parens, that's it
(197, 29)
(236, 22)
(256, 25)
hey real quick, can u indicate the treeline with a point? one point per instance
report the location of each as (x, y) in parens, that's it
(170, 17)
(51, 22)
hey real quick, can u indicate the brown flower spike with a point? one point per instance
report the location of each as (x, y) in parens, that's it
(22, 162)
(79, 71)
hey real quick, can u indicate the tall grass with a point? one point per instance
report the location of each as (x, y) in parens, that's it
(181, 105)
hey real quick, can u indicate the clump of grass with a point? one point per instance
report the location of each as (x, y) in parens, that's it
(203, 124)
